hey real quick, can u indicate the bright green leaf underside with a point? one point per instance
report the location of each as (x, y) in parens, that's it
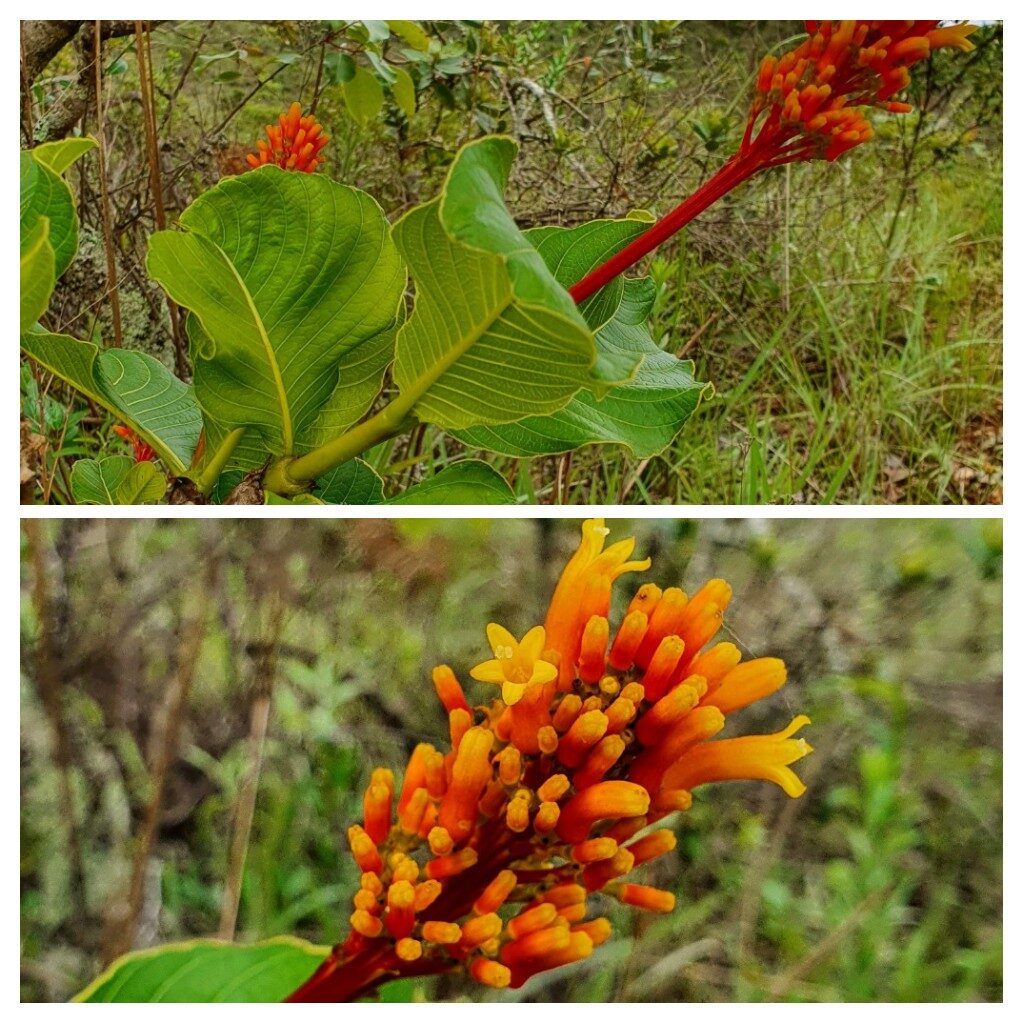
(60, 155)
(292, 278)
(206, 971)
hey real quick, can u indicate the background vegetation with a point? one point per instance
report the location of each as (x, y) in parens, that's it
(159, 656)
(849, 315)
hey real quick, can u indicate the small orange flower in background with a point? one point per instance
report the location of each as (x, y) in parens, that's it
(294, 143)
(492, 858)
(142, 451)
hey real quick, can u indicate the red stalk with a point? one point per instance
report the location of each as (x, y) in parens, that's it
(736, 170)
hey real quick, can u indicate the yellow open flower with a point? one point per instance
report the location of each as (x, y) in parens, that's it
(516, 664)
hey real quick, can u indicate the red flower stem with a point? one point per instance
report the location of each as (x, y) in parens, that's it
(731, 174)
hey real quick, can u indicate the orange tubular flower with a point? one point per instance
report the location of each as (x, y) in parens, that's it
(809, 104)
(294, 143)
(485, 862)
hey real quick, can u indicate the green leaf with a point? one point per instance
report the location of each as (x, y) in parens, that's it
(207, 971)
(133, 386)
(492, 336)
(44, 194)
(351, 483)
(465, 483)
(294, 282)
(116, 480)
(404, 91)
(364, 96)
(645, 413)
(59, 156)
(377, 31)
(409, 32)
(37, 272)
(340, 68)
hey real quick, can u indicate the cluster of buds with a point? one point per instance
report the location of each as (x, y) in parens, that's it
(140, 449)
(812, 102)
(294, 143)
(486, 859)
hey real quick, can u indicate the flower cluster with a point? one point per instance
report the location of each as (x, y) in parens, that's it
(294, 143)
(485, 858)
(812, 102)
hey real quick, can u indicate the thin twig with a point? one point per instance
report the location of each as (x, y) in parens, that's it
(265, 668)
(188, 658)
(108, 233)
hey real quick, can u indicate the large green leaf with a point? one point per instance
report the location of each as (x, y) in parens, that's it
(351, 483)
(645, 413)
(465, 483)
(364, 96)
(44, 194)
(133, 386)
(207, 971)
(37, 272)
(116, 480)
(492, 336)
(60, 155)
(292, 278)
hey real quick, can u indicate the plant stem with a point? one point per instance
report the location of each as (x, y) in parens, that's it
(731, 174)
(215, 467)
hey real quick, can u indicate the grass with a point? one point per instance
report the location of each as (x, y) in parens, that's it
(883, 883)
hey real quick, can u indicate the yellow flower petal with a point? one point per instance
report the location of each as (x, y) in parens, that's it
(512, 693)
(543, 672)
(531, 647)
(500, 638)
(488, 672)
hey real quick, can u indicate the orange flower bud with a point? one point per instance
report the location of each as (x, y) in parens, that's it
(480, 929)
(615, 799)
(598, 761)
(377, 811)
(535, 945)
(633, 692)
(411, 817)
(442, 933)
(408, 949)
(364, 850)
(532, 920)
(646, 897)
(584, 733)
(451, 864)
(471, 771)
(645, 600)
(619, 714)
(663, 664)
(553, 788)
(490, 973)
(666, 620)
(499, 890)
(370, 881)
(567, 711)
(599, 930)
(598, 875)
(439, 841)
(426, 893)
(510, 766)
(564, 894)
(365, 900)
(592, 649)
(547, 739)
(669, 710)
(546, 818)
(652, 846)
(627, 641)
(591, 850)
(746, 683)
(517, 815)
(366, 924)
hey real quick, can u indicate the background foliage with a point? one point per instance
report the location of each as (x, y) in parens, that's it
(883, 883)
(849, 315)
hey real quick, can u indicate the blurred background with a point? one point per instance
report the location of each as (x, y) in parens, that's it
(849, 314)
(199, 693)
